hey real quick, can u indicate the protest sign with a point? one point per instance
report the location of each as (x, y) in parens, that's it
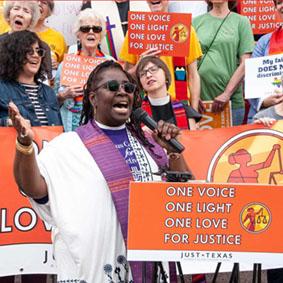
(25, 241)
(205, 222)
(218, 155)
(262, 15)
(168, 32)
(76, 69)
(263, 76)
(212, 120)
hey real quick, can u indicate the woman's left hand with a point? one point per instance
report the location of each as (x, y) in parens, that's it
(164, 132)
(219, 102)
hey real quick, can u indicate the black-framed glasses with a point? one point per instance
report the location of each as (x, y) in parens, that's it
(39, 51)
(152, 70)
(95, 29)
(114, 86)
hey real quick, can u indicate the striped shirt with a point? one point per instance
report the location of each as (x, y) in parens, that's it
(32, 92)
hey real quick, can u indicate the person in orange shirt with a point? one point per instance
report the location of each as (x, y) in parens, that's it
(4, 27)
(185, 78)
(52, 37)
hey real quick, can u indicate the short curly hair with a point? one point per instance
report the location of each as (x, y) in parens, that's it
(86, 14)
(33, 6)
(13, 49)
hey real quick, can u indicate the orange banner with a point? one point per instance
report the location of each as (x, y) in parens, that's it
(262, 15)
(227, 218)
(20, 226)
(246, 154)
(183, 217)
(76, 69)
(168, 32)
(243, 154)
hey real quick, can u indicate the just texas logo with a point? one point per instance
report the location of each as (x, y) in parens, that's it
(252, 156)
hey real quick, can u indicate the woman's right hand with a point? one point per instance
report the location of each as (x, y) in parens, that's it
(22, 126)
(70, 92)
(275, 98)
(266, 121)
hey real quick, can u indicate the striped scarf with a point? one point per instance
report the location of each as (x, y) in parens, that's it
(108, 159)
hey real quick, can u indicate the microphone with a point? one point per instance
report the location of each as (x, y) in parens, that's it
(141, 116)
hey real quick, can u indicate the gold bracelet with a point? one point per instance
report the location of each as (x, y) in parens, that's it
(174, 155)
(24, 149)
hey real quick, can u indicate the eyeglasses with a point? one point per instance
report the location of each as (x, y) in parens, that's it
(152, 70)
(39, 51)
(114, 86)
(95, 29)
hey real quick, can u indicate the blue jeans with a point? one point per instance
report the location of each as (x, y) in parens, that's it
(238, 116)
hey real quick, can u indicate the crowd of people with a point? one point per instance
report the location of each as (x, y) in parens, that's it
(99, 123)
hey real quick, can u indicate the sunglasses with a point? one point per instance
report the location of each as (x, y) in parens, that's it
(95, 29)
(114, 86)
(39, 51)
(152, 70)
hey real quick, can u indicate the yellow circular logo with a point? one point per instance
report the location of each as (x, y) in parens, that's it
(179, 33)
(250, 157)
(255, 217)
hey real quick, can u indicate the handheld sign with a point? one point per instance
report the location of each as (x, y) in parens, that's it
(168, 32)
(76, 69)
(262, 15)
(212, 120)
(179, 221)
(263, 76)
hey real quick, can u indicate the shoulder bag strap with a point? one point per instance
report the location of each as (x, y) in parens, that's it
(213, 39)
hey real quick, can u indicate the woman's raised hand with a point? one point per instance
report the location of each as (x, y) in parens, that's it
(22, 126)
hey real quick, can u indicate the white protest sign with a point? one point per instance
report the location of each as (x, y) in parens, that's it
(263, 76)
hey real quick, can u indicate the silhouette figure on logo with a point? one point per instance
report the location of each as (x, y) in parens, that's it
(251, 216)
(176, 33)
(248, 173)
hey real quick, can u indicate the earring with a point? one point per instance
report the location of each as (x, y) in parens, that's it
(94, 110)
(79, 45)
